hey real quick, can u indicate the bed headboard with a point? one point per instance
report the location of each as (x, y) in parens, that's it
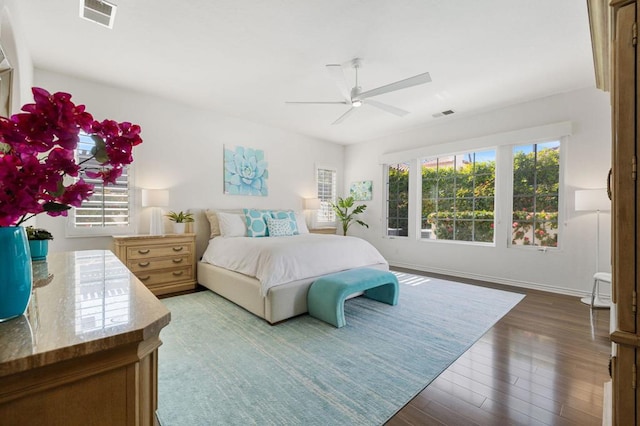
(202, 230)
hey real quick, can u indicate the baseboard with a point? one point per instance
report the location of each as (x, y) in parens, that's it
(494, 280)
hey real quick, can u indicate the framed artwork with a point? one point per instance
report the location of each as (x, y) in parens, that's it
(245, 172)
(361, 191)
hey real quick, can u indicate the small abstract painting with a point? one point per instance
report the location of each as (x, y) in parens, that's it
(361, 191)
(245, 172)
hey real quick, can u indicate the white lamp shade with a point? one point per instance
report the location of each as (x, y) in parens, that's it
(311, 203)
(155, 198)
(591, 200)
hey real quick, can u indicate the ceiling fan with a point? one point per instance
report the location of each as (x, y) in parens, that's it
(356, 97)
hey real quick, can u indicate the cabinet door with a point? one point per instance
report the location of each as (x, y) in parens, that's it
(625, 210)
(624, 154)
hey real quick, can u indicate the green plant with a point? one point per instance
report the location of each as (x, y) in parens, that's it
(347, 218)
(38, 233)
(180, 217)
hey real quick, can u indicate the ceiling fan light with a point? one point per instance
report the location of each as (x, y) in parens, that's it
(356, 103)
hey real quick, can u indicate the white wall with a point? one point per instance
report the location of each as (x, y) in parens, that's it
(588, 157)
(13, 44)
(183, 152)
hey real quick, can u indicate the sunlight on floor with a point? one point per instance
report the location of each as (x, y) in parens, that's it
(410, 279)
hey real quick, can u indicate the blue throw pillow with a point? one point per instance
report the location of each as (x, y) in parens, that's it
(290, 216)
(279, 227)
(257, 222)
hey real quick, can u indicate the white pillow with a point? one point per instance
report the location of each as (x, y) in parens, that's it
(232, 224)
(301, 221)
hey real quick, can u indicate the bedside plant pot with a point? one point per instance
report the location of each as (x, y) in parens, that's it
(39, 249)
(178, 228)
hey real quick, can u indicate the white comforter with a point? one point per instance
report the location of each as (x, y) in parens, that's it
(278, 260)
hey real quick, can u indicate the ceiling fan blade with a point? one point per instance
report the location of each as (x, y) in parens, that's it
(343, 116)
(337, 73)
(319, 102)
(402, 84)
(386, 107)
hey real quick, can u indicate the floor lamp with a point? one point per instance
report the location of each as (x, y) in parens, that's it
(595, 200)
(155, 198)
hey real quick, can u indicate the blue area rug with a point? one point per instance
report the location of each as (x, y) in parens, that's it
(221, 365)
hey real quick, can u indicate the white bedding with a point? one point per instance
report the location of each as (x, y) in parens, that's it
(279, 260)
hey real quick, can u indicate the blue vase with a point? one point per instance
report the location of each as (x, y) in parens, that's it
(39, 249)
(15, 272)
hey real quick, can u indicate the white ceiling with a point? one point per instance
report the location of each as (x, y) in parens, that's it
(245, 58)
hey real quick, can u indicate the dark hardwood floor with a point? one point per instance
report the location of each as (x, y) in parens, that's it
(544, 363)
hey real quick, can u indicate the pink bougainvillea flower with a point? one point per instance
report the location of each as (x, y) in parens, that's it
(39, 151)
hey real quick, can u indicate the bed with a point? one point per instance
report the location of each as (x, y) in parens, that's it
(270, 275)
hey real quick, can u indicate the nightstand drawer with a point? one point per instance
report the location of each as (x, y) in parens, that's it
(141, 265)
(145, 252)
(164, 263)
(159, 277)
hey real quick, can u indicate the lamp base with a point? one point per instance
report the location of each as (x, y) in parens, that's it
(157, 225)
(597, 302)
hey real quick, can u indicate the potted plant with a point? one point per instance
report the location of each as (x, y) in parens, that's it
(38, 242)
(347, 218)
(180, 220)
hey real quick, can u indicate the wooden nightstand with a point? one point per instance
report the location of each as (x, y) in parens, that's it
(163, 263)
(326, 230)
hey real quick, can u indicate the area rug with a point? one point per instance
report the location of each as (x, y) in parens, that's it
(221, 365)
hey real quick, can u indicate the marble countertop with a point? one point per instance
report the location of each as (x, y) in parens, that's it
(83, 302)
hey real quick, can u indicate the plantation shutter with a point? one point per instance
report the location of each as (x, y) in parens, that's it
(326, 179)
(109, 205)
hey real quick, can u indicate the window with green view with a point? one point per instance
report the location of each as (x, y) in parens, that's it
(536, 181)
(398, 199)
(458, 194)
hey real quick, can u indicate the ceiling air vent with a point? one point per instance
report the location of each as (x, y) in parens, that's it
(98, 11)
(443, 113)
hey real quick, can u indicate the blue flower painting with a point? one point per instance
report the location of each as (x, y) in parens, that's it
(361, 191)
(245, 172)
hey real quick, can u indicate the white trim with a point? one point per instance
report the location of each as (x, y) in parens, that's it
(516, 137)
(491, 279)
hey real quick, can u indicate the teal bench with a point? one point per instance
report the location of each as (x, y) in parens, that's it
(326, 296)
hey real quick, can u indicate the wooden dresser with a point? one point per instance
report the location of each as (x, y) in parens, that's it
(86, 351)
(164, 263)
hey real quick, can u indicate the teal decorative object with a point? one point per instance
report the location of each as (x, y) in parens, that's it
(39, 249)
(327, 294)
(15, 270)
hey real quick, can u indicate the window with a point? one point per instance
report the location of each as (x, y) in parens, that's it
(458, 197)
(108, 210)
(326, 179)
(536, 181)
(503, 189)
(398, 199)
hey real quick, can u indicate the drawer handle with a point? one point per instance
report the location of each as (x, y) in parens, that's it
(143, 264)
(177, 248)
(178, 273)
(178, 260)
(143, 251)
(144, 278)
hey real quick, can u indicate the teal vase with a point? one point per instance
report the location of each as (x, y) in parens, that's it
(39, 249)
(15, 272)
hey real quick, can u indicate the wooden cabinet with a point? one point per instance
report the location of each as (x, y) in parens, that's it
(164, 263)
(327, 230)
(86, 351)
(614, 32)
